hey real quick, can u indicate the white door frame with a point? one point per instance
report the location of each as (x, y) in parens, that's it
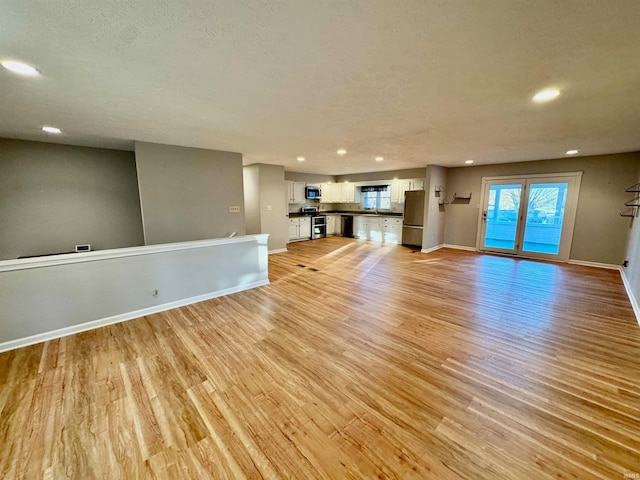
(573, 178)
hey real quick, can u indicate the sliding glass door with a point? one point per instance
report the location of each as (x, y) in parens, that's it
(531, 216)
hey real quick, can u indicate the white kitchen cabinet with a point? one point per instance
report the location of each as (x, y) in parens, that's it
(359, 227)
(294, 229)
(378, 229)
(392, 230)
(305, 227)
(295, 192)
(331, 224)
(347, 193)
(374, 228)
(299, 228)
(399, 187)
(338, 193)
(338, 225)
(334, 224)
(325, 192)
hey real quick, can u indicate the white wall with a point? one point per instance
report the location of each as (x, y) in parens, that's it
(185, 193)
(631, 274)
(43, 298)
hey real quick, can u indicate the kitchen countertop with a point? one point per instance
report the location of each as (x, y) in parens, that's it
(351, 212)
(365, 214)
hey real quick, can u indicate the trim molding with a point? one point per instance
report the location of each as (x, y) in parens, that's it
(48, 261)
(123, 317)
(278, 250)
(608, 266)
(432, 249)
(632, 298)
(460, 247)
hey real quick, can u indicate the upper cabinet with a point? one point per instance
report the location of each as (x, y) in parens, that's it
(338, 193)
(295, 192)
(399, 187)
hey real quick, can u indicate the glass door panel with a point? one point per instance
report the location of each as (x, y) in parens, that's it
(501, 214)
(545, 216)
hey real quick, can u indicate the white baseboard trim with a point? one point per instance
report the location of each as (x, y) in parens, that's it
(432, 249)
(632, 298)
(278, 250)
(123, 317)
(608, 266)
(460, 247)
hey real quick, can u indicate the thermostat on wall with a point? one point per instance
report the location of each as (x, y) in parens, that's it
(83, 248)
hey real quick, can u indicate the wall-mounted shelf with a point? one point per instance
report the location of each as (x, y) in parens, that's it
(461, 197)
(634, 204)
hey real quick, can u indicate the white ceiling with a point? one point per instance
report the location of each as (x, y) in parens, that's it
(418, 82)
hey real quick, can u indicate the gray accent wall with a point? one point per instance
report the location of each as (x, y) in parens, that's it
(185, 193)
(265, 203)
(434, 223)
(600, 234)
(53, 197)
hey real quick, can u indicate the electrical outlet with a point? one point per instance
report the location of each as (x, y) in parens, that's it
(154, 293)
(234, 209)
(269, 208)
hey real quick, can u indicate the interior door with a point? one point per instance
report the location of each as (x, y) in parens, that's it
(502, 205)
(531, 216)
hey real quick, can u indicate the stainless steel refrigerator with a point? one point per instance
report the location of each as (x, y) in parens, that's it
(413, 223)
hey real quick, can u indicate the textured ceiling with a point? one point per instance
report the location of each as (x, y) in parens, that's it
(418, 82)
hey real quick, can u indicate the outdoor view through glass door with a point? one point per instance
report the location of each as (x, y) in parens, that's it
(532, 216)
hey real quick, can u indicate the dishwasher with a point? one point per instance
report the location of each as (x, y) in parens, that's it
(347, 226)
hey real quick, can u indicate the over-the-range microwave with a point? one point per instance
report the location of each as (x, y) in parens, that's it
(312, 192)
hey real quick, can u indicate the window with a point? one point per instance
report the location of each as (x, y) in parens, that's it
(377, 197)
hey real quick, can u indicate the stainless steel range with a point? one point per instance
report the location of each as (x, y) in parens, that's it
(318, 222)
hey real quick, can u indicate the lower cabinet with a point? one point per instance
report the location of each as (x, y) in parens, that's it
(334, 224)
(392, 232)
(379, 229)
(299, 228)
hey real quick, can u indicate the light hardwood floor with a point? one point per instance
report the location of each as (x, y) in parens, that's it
(359, 360)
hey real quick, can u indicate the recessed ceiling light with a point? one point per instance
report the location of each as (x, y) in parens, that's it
(546, 95)
(20, 68)
(379, 159)
(51, 130)
(468, 162)
(572, 152)
(300, 159)
(342, 151)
